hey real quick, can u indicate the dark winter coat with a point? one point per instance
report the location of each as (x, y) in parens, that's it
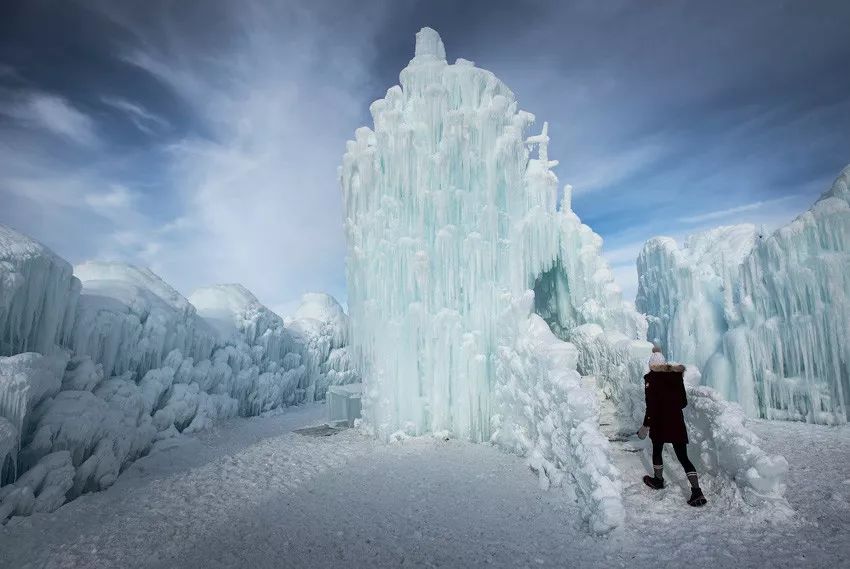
(664, 387)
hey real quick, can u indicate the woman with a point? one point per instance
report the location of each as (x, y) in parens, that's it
(664, 387)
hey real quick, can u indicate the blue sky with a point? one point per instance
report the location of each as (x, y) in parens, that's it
(202, 139)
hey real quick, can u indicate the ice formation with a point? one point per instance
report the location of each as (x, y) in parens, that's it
(450, 223)
(38, 294)
(476, 301)
(128, 319)
(98, 367)
(694, 284)
(324, 329)
(763, 315)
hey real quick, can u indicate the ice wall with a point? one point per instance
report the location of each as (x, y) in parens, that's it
(767, 320)
(324, 328)
(266, 356)
(687, 293)
(129, 362)
(128, 319)
(38, 295)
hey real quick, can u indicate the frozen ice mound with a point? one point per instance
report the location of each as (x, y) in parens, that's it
(38, 295)
(764, 316)
(324, 328)
(125, 361)
(129, 319)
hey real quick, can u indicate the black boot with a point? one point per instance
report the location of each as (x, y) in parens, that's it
(697, 499)
(653, 482)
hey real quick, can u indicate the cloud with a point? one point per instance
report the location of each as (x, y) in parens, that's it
(732, 211)
(246, 109)
(117, 203)
(608, 170)
(55, 114)
(254, 180)
(144, 120)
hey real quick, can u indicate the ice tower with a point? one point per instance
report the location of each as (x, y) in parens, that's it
(451, 224)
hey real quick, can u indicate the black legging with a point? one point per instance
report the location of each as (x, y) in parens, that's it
(681, 450)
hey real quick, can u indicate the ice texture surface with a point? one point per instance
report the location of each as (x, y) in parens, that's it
(764, 315)
(38, 295)
(477, 300)
(125, 362)
(129, 319)
(323, 327)
(451, 223)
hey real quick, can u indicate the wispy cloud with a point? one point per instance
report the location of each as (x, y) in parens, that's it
(54, 114)
(734, 211)
(117, 203)
(605, 171)
(144, 120)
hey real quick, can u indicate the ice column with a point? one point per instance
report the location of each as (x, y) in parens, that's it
(451, 222)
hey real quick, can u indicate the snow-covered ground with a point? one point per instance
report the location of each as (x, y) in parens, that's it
(252, 493)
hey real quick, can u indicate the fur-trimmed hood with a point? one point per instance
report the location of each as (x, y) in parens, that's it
(667, 367)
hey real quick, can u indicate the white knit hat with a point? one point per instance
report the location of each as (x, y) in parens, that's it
(657, 358)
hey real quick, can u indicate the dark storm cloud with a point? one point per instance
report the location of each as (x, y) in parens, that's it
(665, 116)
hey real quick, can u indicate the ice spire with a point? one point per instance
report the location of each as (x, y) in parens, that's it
(450, 222)
(429, 45)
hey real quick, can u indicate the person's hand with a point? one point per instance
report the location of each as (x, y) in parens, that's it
(642, 432)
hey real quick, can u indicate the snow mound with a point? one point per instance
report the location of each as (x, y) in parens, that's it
(550, 418)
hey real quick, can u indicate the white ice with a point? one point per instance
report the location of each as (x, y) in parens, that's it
(764, 315)
(124, 362)
(477, 301)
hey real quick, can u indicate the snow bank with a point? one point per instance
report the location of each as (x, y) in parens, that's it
(38, 294)
(726, 447)
(40, 489)
(266, 356)
(763, 315)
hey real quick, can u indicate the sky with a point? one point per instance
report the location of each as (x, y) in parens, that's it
(202, 139)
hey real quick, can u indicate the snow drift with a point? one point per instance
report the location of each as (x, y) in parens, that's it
(764, 316)
(97, 368)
